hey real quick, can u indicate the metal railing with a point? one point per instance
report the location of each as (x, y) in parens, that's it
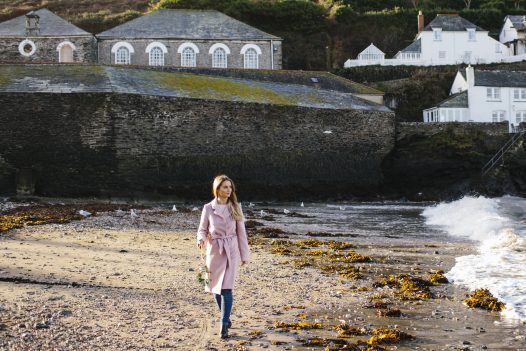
(500, 154)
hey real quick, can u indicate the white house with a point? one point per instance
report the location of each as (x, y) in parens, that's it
(513, 34)
(483, 96)
(447, 40)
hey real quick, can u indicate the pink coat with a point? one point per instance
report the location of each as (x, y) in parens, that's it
(227, 246)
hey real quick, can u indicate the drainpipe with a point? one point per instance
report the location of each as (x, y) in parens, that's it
(271, 54)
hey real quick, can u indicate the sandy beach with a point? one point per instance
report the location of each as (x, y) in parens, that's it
(109, 283)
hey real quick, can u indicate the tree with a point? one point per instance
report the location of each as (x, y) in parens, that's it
(415, 4)
(467, 3)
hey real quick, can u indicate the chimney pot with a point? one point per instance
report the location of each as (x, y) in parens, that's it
(420, 18)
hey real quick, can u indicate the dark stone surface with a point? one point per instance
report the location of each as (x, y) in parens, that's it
(133, 145)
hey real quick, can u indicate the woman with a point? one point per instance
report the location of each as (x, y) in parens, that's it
(223, 231)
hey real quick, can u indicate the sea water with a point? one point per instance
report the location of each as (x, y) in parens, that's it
(498, 227)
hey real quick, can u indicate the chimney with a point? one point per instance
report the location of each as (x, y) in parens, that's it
(470, 76)
(32, 24)
(420, 21)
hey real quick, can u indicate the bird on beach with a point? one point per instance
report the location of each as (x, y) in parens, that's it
(250, 204)
(133, 215)
(84, 214)
(285, 211)
(302, 205)
(195, 209)
(262, 213)
(174, 208)
(342, 208)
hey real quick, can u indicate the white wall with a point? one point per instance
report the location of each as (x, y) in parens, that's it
(507, 33)
(456, 44)
(481, 108)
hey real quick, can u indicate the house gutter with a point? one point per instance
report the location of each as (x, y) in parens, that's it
(271, 54)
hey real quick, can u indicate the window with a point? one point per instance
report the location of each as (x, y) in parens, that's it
(498, 116)
(65, 51)
(156, 56)
(188, 57)
(251, 58)
(437, 34)
(471, 34)
(520, 116)
(441, 55)
(519, 94)
(27, 48)
(122, 56)
(219, 58)
(493, 93)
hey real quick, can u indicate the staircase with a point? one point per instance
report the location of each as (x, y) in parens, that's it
(498, 157)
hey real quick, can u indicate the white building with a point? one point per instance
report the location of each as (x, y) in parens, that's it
(447, 40)
(513, 34)
(483, 96)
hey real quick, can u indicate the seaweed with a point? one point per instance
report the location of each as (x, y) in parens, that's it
(387, 335)
(303, 325)
(438, 277)
(482, 298)
(408, 287)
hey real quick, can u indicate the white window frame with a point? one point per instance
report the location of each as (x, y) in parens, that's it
(188, 52)
(520, 116)
(23, 44)
(115, 51)
(493, 94)
(251, 61)
(61, 45)
(213, 51)
(519, 94)
(437, 34)
(152, 59)
(472, 34)
(498, 116)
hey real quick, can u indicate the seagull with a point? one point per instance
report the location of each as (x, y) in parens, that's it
(285, 211)
(342, 208)
(84, 213)
(250, 204)
(262, 213)
(133, 215)
(195, 209)
(302, 205)
(327, 132)
(174, 208)
(120, 212)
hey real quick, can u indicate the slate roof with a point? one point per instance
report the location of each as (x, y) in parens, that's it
(518, 21)
(451, 23)
(186, 24)
(110, 79)
(512, 79)
(415, 46)
(458, 100)
(50, 25)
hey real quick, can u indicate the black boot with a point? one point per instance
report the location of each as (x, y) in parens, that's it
(224, 331)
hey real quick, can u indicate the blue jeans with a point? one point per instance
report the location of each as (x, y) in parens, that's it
(224, 302)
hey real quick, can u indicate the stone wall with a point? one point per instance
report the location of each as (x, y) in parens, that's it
(406, 129)
(46, 49)
(132, 145)
(203, 58)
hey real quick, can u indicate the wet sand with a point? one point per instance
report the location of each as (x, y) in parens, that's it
(110, 283)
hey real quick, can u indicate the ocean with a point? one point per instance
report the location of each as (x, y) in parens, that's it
(496, 227)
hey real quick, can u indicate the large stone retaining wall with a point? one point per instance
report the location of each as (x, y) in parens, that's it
(405, 129)
(133, 145)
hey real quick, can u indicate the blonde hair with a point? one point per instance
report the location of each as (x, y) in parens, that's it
(233, 204)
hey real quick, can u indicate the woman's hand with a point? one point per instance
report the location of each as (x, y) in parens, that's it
(200, 244)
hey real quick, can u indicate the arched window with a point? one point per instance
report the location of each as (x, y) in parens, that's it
(65, 52)
(156, 57)
(188, 57)
(219, 58)
(251, 59)
(156, 51)
(122, 51)
(122, 56)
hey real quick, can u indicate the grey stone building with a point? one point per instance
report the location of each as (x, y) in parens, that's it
(189, 38)
(41, 36)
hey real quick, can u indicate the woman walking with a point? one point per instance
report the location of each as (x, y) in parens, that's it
(222, 232)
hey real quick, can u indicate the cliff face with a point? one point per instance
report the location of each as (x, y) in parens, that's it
(444, 161)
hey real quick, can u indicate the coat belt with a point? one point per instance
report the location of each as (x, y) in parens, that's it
(221, 242)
